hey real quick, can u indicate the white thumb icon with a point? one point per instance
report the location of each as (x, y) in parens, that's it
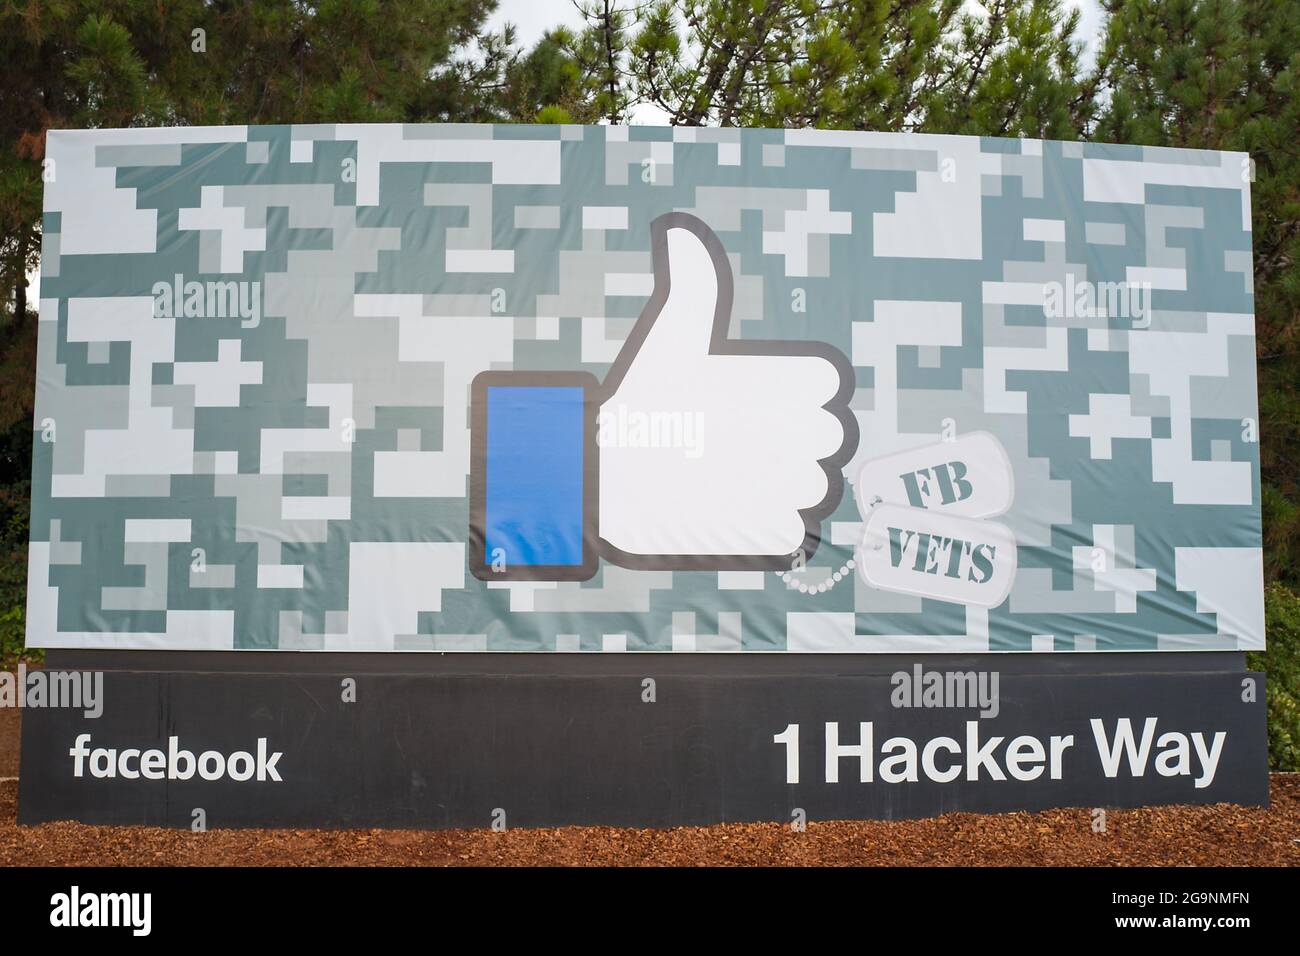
(716, 452)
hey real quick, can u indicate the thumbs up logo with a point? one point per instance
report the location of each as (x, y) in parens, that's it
(698, 451)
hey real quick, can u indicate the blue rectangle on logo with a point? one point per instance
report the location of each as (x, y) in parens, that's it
(534, 500)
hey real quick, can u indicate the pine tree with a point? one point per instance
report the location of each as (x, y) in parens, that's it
(927, 65)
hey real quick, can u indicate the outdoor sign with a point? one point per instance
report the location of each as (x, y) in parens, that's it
(564, 388)
(561, 388)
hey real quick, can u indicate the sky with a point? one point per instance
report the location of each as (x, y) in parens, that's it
(532, 18)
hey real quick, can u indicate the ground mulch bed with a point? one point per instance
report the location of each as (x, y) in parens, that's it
(1220, 835)
(10, 721)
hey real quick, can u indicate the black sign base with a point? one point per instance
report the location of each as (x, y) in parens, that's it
(636, 740)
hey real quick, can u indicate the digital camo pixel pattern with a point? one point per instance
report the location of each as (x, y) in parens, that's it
(297, 478)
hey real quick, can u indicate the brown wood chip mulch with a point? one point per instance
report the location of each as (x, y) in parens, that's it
(1157, 836)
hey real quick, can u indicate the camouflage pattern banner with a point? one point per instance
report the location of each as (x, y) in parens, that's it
(563, 388)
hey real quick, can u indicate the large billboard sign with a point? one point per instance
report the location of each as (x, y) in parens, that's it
(562, 388)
